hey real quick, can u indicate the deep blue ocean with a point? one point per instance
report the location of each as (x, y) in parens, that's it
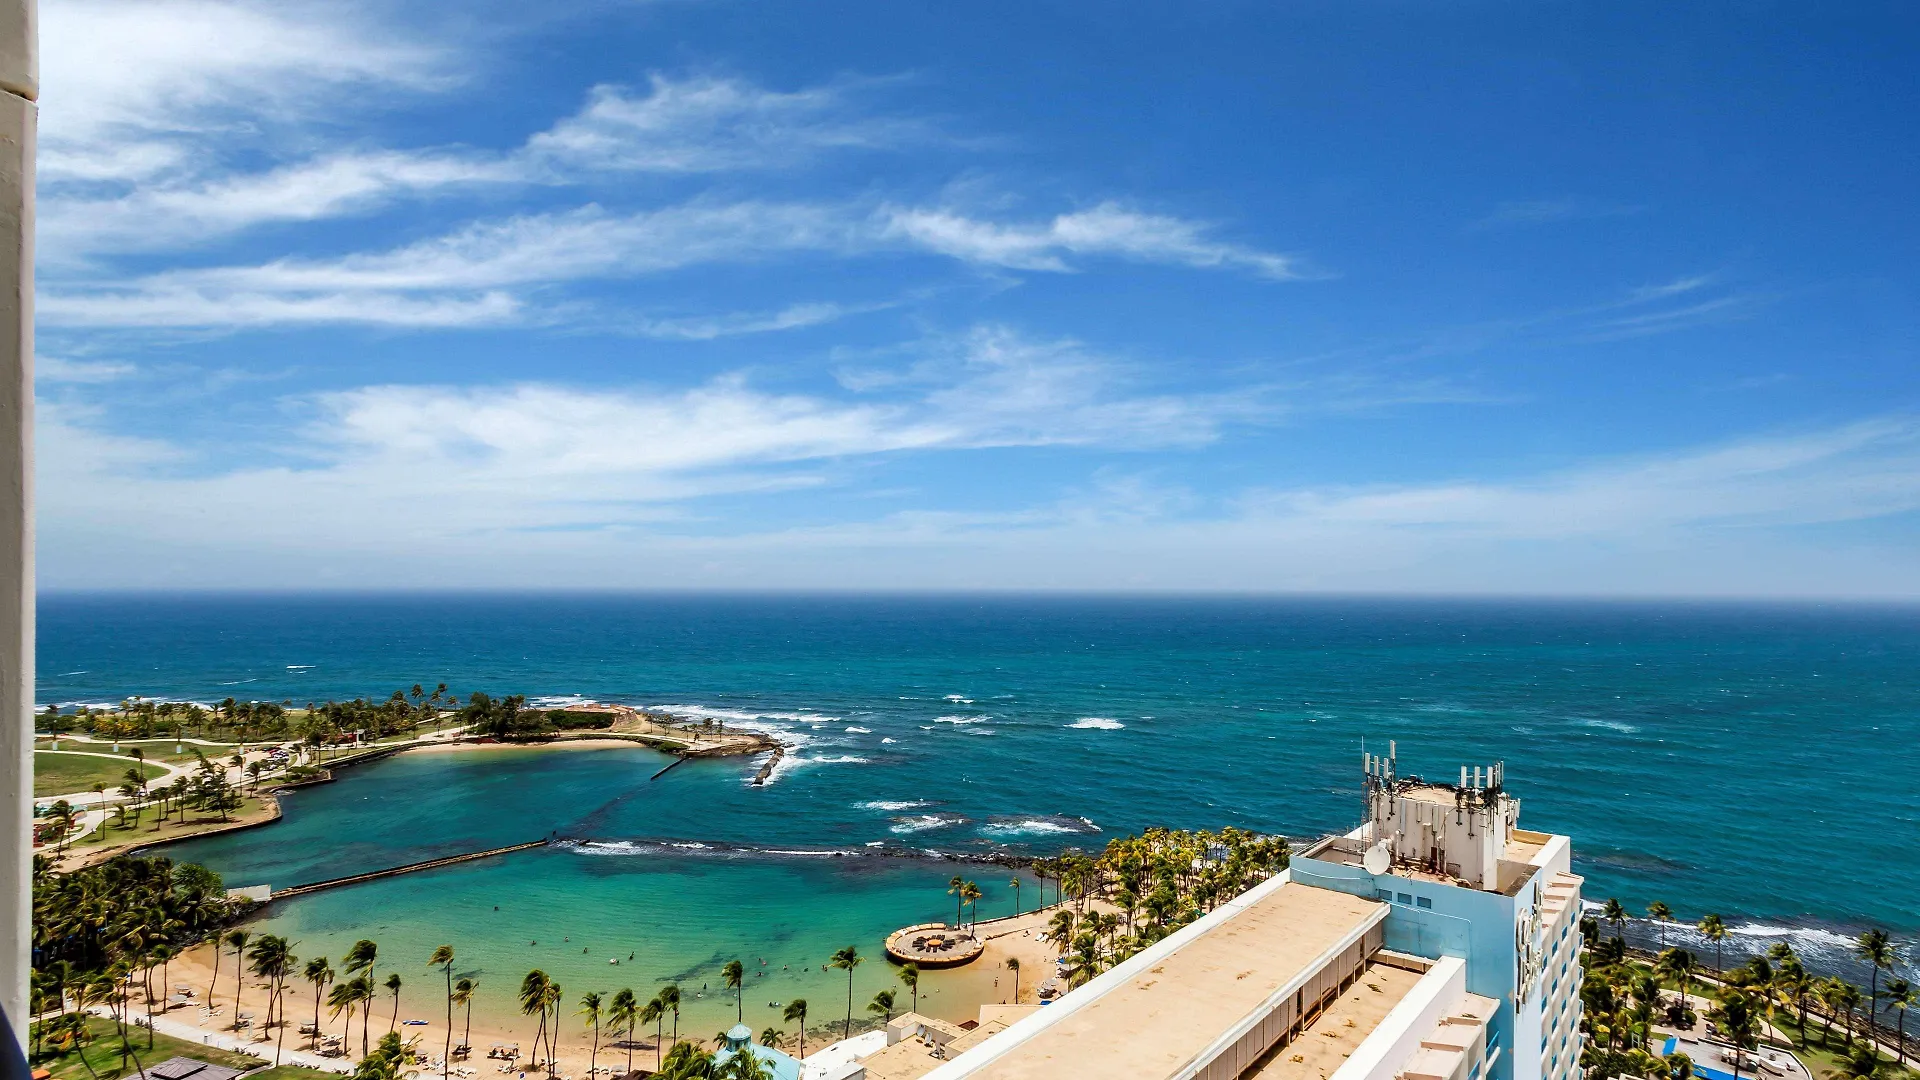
(1754, 760)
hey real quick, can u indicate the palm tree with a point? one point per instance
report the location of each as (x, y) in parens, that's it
(590, 1012)
(882, 1005)
(1676, 964)
(359, 962)
(272, 959)
(319, 973)
(770, 1036)
(1901, 995)
(550, 1002)
(393, 987)
(1013, 965)
(238, 939)
(1874, 947)
(846, 960)
(533, 991)
(797, 1011)
(1616, 913)
(971, 893)
(954, 887)
(1060, 929)
(1714, 930)
(909, 975)
(621, 1015)
(443, 958)
(1660, 913)
(1862, 1064)
(652, 1012)
(670, 1000)
(344, 998)
(1739, 1023)
(734, 975)
(463, 996)
(1846, 998)
(1015, 885)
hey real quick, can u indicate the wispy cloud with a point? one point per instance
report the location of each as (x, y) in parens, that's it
(54, 369)
(532, 451)
(707, 124)
(1108, 230)
(563, 487)
(470, 276)
(132, 89)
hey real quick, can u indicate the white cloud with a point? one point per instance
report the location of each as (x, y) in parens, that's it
(1864, 470)
(129, 86)
(54, 369)
(165, 217)
(182, 192)
(435, 282)
(498, 458)
(706, 124)
(547, 486)
(1108, 229)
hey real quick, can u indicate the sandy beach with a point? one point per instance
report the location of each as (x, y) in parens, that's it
(953, 994)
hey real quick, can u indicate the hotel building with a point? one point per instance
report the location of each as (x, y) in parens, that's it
(1437, 941)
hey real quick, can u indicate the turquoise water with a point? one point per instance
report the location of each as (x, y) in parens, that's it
(1758, 761)
(668, 913)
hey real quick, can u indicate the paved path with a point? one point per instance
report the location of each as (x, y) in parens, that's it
(206, 1033)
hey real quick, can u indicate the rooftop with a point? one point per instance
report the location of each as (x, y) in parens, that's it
(1326, 1043)
(1162, 1017)
(1443, 1050)
(184, 1068)
(1517, 862)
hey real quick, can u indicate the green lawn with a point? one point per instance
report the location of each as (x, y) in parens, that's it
(103, 1053)
(1829, 1058)
(61, 773)
(126, 832)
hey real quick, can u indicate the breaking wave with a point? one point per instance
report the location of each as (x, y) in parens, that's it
(1097, 723)
(1054, 825)
(905, 826)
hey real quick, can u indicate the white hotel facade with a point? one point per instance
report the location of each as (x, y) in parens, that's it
(1437, 941)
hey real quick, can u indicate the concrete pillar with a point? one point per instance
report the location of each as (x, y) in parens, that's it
(19, 88)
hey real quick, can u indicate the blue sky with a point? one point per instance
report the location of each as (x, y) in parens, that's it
(1545, 299)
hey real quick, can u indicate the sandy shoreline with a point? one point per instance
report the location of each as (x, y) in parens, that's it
(952, 994)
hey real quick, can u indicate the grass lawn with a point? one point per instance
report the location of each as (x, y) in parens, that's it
(1830, 1058)
(154, 749)
(61, 773)
(290, 1072)
(126, 833)
(103, 1053)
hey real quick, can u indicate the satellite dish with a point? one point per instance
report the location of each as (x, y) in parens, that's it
(1376, 860)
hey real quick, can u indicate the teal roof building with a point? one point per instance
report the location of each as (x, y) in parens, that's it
(739, 1040)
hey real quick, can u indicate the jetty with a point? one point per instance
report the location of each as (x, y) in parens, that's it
(394, 871)
(766, 767)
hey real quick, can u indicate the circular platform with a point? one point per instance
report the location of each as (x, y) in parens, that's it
(934, 945)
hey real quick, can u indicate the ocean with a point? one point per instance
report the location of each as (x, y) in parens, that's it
(1757, 761)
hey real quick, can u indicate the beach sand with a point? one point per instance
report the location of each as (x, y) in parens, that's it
(952, 994)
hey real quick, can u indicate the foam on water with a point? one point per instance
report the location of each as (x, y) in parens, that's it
(1097, 723)
(1054, 825)
(924, 822)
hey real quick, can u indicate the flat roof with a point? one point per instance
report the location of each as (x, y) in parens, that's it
(1338, 1031)
(1164, 1016)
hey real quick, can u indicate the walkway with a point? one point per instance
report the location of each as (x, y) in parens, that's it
(228, 1040)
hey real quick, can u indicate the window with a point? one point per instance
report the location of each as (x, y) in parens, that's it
(1386, 894)
(1406, 898)
(1423, 902)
